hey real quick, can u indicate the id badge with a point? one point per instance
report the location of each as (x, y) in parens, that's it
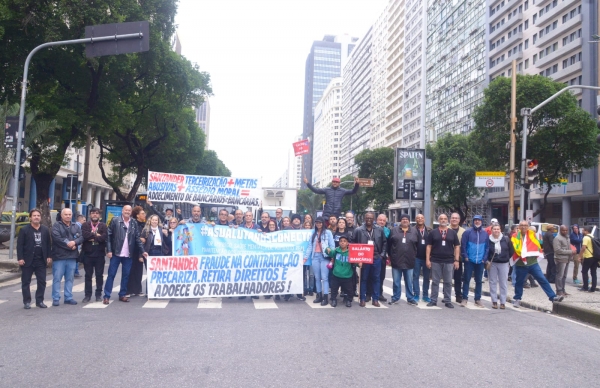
(370, 242)
(443, 243)
(403, 240)
(158, 241)
(423, 241)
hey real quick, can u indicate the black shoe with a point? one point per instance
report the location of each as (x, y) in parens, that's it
(449, 305)
(77, 275)
(333, 302)
(98, 298)
(458, 299)
(318, 299)
(277, 297)
(348, 303)
(311, 293)
(431, 304)
(241, 297)
(268, 296)
(368, 299)
(300, 297)
(382, 298)
(325, 301)
(27, 306)
(254, 297)
(86, 299)
(534, 284)
(584, 289)
(41, 305)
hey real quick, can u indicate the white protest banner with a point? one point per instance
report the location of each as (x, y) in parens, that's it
(217, 190)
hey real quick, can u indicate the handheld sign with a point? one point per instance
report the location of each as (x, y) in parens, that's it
(361, 253)
(301, 147)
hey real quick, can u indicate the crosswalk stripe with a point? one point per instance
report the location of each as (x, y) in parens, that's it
(97, 305)
(11, 282)
(317, 305)
(2, 301)
(210, 303)
(81, 286)
(156, 303)
(263, 304)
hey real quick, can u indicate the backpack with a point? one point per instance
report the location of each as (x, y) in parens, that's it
(595, 248)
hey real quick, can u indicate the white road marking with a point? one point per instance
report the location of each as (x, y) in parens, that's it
(81, 286)
(156, 303)
(317, 305)
(2, 301)
(210, 303)
(263, 304)
(97, 305)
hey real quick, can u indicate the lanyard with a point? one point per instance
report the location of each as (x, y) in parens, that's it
(94, 228)
(370, 234)
(422, 233)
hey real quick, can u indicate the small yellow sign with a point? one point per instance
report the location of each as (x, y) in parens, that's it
(490, 173)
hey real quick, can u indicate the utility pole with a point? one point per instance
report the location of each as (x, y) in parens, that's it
(513, 141)
(86, 167)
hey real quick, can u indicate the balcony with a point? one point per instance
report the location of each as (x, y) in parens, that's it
(506, 26)
(564, 73)
(563, 51)
(551, 14)
(508, 42)
(541, 3)
(500, 66)
(560, 30)
(497, 15)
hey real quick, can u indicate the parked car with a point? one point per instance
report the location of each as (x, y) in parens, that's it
(22, 219)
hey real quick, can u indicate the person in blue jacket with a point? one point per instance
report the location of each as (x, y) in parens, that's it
(316, 256)
(474, 249)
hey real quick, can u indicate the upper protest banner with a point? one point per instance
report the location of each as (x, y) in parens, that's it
(301, 147)
(217, 190)
(217, 261)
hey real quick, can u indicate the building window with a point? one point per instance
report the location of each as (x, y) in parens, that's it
(534, 58)
(534, 38)
(526, 44)
(526, 63)
(527, 24)
(534, 18)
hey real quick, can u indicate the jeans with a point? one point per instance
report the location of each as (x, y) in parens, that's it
(372, 271)
(91, 265)
(397, 274)
(536, 272)
(39, 268)
(443, 271)
(471, 268)
(319, 267)
(62, 268)
(416, 273)
(499, 276)
(113, 267)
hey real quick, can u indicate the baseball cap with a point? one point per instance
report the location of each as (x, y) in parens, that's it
(494, 220)
(336, 179)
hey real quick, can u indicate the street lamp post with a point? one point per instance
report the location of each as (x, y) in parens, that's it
(526, 112)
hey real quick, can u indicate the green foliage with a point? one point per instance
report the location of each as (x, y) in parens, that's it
(561, 135)
(357, 202)
(211, 165)
(377, 164)
(308, 202)
(453, 164)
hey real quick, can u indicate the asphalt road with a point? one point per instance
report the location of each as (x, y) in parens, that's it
(240, 345)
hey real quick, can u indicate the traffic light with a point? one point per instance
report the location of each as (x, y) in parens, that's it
(533, 175)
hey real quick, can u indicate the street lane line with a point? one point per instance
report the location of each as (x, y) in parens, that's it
(369, 305)
(317, 305)
(210, 303)
(264, 304)
(156, 303)
(572, 321)
(2, 301)
(97, 305)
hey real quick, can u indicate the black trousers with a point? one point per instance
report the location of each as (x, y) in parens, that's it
(590, 264)
(550, 268)
(39, 268)
(458, 279)
(381, 279)
(346, 284)
(134, 286)
(91, 265)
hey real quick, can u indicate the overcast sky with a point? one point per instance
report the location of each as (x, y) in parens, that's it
(255, 52)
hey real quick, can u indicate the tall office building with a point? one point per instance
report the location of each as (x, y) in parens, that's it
(378, 84)
(455, 65)
(327, 130)
(356, 104)
(394, 74)
(203, 119)
(323, 63)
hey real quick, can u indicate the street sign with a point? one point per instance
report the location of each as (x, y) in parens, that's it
(360, 253)
(71, 183)
(120, 46)
(365, 182)
(410, 165)
(489, 179)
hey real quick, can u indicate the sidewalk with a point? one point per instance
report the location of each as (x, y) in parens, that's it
(9, 269)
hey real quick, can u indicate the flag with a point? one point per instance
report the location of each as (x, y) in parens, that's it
(301, 147)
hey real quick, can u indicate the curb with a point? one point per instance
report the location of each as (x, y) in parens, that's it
(9, 265)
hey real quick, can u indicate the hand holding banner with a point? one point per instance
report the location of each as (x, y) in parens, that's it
(361, 253)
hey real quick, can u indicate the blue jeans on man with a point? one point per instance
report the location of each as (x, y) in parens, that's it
(535, 271)
(113, 267)
(420, 263)
(472, 269)
(373, 271)
(62, 268)
(397, 274)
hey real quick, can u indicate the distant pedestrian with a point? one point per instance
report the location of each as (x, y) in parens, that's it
(499, 254)
(527, 250)
(589, 264)
(315, 255)
(549, 253)
(442, 257)
(576, 238)
(423, 232)
(563, 253)
(474, 250)
(402, 247)
(66, 236)
(94, 235)
(33, 253)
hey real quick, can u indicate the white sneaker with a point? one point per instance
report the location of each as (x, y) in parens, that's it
(516, 303)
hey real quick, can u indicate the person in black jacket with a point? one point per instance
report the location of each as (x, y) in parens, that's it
(66, 236)
(94, 234)
(333, 197)
(371, 234)
(402, 245)
(122, 229)
(157, 242)
(422, 233)
(33, 254)
(500, 252)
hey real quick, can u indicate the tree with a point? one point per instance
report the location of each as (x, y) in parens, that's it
(561, 135)
(309, 202)
(453, 164)
(211, 165)
(377, 164)
(358, 202)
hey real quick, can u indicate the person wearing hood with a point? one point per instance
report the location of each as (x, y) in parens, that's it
(474, 249)
(576, 238)
(402, 245)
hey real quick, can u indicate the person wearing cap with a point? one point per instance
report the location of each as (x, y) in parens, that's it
(548, 244)
(315, 256)
(333, 196)
(341, 275)
(474, 249)
(402, 245)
